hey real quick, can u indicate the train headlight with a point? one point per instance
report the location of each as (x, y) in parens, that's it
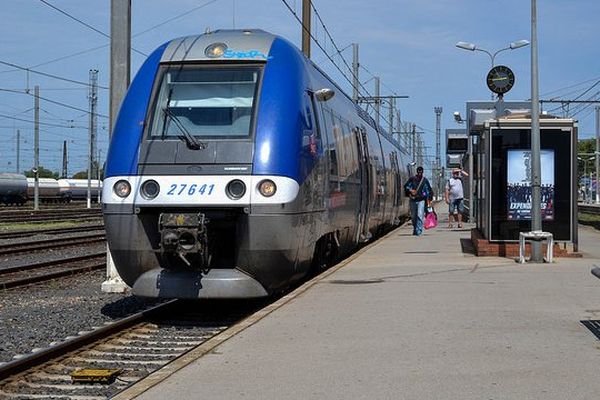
(122, 189)
(235, 189)
(267, 188)
(215, 50)
(150, 189)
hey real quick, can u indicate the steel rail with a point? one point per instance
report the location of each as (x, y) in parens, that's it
(13, 248)
(32, 232)
(589, 209)
(50, 276)
(51, 263)
(12, 368)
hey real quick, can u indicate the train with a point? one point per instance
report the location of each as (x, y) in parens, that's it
(237, 167)
(17, 189)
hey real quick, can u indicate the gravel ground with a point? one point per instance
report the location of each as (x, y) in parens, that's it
(34, 316)
(46, 255)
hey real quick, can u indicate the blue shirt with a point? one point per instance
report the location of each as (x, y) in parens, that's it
(425, 191)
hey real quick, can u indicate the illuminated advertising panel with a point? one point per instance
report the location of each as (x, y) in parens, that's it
(518, 189)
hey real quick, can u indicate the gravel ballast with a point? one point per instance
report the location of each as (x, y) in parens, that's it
(34, 316)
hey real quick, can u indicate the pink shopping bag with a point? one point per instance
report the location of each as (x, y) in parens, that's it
(430, 220)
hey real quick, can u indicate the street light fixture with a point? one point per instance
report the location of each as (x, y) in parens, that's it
(473, 47)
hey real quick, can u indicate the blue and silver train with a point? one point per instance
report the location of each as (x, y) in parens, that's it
(236, 167)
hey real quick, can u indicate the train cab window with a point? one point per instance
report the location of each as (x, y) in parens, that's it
(206, 102)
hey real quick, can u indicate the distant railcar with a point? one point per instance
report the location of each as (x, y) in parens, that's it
(49, 190)
(13, 189)
(78, 188)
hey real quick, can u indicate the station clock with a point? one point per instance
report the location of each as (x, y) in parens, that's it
(500, 79)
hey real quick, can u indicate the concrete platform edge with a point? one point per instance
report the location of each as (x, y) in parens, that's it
(169, 369)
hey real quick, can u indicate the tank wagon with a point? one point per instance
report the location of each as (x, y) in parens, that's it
(49, 190)
(13, 189)
(236, 166)
(18, 189)
(78, 188)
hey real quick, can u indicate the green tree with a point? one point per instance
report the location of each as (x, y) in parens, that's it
(42, 173)
(585, 150)
(80, 175)
(83, 175)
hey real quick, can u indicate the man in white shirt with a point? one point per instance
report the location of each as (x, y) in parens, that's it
(455, 196)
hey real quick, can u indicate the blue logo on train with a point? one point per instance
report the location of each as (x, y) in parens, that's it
(229, 53)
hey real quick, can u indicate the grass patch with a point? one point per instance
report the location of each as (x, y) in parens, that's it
(592, 220)
(39, 225)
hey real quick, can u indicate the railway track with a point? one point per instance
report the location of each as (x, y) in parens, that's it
(588, 209)
(29, 206)
(48, 215)
(49, 231)
(136, 345)
(28, 274)
(54, 243)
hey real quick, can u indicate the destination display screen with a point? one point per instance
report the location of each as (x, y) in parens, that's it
(518, 188)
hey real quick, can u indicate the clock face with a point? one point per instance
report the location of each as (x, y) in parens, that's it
(500, 79)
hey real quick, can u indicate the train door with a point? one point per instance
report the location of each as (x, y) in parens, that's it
(366, 178)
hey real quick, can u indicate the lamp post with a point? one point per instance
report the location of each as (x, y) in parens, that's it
(473, 47)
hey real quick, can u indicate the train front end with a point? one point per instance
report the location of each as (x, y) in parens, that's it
(196, 175)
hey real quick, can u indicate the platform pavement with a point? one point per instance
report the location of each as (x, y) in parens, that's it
(415, 318)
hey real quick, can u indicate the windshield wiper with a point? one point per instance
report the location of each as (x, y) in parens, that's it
(190, 140)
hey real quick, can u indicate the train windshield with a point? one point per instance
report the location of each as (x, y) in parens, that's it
(205, 102)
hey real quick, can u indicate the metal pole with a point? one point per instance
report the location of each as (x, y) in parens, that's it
(536, 212)
(98, 175)
(391, 116)
(92, 129)
(355, 66)
(398, 125)
(120, 67)
(597, 154)
(377, 101)
(414, 142)
(585, 185)
(64, 168)
(306, 27)
(36, 150)
(438, 161)
(18, 151)
(120, 55)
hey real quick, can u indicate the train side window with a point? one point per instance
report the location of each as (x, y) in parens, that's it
(328, 131)
(311, 139)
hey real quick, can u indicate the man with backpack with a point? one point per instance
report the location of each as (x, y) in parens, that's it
(455, 196)
(419, 190)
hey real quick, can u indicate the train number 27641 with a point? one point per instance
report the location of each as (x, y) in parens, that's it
(190, 190)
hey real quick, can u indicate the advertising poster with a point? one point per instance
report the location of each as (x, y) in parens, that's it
(518, 191)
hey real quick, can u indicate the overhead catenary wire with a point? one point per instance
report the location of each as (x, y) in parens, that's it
(42, 123)
(49, 75)
(153, 27)
(330, 58)
(317, 42)
(86, 24)
(53, 102)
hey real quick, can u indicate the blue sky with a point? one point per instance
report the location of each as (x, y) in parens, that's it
(408, 43)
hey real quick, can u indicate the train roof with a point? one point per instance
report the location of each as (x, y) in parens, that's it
(240, 44)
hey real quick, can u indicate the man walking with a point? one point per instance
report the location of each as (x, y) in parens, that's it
(419, 190)
(455, 196)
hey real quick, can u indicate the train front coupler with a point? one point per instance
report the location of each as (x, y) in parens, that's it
(184, 235)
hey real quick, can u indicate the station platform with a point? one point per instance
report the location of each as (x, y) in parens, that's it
(412, 318)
